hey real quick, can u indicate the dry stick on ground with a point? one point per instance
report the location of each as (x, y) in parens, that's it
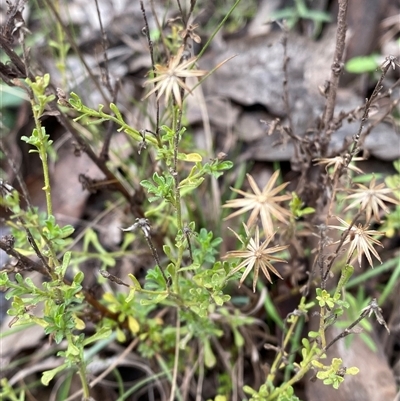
(379, 120)
(286, 99)
(352, 114)
(378, 87)
(336, 69)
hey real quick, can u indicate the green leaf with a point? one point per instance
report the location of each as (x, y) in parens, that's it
(396, 165)
(347, 272)
(238, 338)
(191, 183)
(116, 111)
(317, 16)
(209, 358)
(285, 13)
(100, 334)
(67, 230)
(352, 371)
(78, 278)
(4, 280)
(190, 157)
(249, 390)
(135, 282)
(168, 252)
(73, 349)
(65, 262)
(49, 374)
(133, 324)
(362, 64)
(159, 298)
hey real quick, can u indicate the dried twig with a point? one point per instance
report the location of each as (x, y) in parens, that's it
(336, 70)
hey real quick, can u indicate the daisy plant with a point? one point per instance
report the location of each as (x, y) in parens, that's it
(256, 255)
(263, 203)
(171, 78)
(338, 162)
(361, 240)
(371, 198)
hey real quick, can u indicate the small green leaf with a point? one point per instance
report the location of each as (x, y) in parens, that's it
(249, 390)
(154, 301)
(209, 358)
(130, 296)
(135, 282)
(73, 349)
(133, 324)
(121, 337)
(352, 371)
(116, 111)
(362, 64)
(49, 374)
(79, 278)
(168, 252)
(65, 262)
(238, 338)
(191, 184)
(100, 334)
(190, 157)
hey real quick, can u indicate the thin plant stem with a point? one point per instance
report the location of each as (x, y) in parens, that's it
(364, 118)
(85, 387)
(220, 25)
(295, 340)
(336, 253)
(288, 335)
(155, 256)
(174, 170)
(104, 46)
(153, 67)
(176, 358)
(298, 376)
(62, 53)
(104, 374)
(43, 158)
